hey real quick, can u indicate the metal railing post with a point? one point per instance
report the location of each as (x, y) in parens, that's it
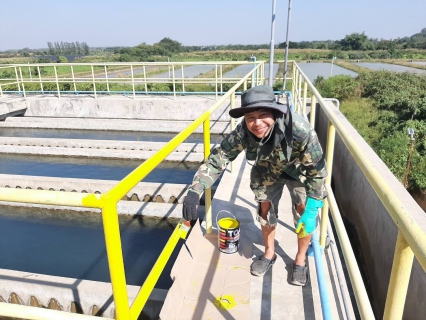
(331, 135)
(106, 77)
(22, 81)
(305, 96)
(73, 79)
(39, 79)
(93, 80)
(313, 111)
(215, 80)
(144, 78)
(133, 81)
(17, 80)
(183, 81)
(221, 78)
(293, 86)
(207, 192)
(174, 83)
(399, 280)
(245, 85)
(57, 82)
(232, 106)
(115, 259)
(299, 95)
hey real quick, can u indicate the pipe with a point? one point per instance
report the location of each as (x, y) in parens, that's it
(271, 51)
(286, 46)
(322, 283)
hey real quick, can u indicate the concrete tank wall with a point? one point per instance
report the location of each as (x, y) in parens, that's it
(120, 107)
(375, 229)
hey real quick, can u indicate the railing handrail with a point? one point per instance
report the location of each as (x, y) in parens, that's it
(411, 230)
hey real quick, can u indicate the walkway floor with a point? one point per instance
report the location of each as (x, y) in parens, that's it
(202, 275)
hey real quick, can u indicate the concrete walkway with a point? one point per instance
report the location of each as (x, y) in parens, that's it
(271, 296)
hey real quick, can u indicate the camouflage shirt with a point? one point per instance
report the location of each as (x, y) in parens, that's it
(306, 163)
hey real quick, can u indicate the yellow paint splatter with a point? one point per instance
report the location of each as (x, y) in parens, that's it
(225, 302)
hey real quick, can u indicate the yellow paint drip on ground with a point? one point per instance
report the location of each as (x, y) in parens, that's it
(225, 302)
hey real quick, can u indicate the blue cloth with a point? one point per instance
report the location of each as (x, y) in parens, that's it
(308, 220)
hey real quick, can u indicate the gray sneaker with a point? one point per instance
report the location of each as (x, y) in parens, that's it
(299, 275)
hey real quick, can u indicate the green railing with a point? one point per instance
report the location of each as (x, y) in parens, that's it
(108, 204)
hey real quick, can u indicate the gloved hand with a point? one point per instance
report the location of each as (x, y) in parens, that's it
(190, 203)
(308, 220)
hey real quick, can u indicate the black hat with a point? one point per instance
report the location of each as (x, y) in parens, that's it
(259, 97)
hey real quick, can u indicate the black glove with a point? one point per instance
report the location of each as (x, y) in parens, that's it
(190, 203)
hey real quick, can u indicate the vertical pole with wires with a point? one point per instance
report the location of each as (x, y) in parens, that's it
(271, 50)
(286, 47)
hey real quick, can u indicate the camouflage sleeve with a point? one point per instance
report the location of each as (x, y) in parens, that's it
(216, 163)
(312, 166)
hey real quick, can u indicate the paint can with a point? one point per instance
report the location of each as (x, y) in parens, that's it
(228, 233)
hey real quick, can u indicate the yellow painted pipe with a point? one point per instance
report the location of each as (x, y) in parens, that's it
(207, 192)
(399, 280)
(115, 259)
(313, 111)
(232, 106)
(157, 269)
(35, 313)
(58, 198)
(305, 97)
(363, 303)
(331, 135)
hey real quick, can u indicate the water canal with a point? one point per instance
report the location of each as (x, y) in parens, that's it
(72, 244)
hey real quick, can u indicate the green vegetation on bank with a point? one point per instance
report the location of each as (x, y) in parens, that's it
(382, 105)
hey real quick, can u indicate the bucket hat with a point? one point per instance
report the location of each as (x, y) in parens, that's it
(259, 97)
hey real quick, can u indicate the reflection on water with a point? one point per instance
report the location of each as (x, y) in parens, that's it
(72, 244)
(313, 70)
(86, 168)
(390, 67)
(188, 72)
(102, 135)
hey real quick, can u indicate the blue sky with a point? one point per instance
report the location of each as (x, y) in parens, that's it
(29, 23)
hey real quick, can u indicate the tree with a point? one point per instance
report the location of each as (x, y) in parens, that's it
(354, 41)
(170, 45)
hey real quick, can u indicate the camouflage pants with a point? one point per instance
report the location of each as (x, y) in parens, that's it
(268, 188)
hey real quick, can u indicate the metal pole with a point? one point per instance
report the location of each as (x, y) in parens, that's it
(286, 47)
(407, 171)
(271, 51)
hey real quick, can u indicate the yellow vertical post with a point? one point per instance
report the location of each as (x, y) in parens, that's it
(57, 83)
(245, 85)
(232, 123)
(253, 80)
(399, 280)
(313, 110)
(305, 97)
(93, 80)
(115, 259)
(299, 95)
(293, 85)
(73, 79)
(329, 159)
(133, 81)
(207, 192)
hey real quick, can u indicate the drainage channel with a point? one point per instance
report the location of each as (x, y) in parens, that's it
(102, 135)
(87, 168)
(72, 244)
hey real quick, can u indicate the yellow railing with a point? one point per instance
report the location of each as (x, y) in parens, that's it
(108, 204)
(411, 239)
(133, 78)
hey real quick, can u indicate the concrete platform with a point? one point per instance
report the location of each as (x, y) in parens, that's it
(271, 296)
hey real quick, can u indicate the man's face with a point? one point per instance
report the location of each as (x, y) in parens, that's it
(259, 122)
